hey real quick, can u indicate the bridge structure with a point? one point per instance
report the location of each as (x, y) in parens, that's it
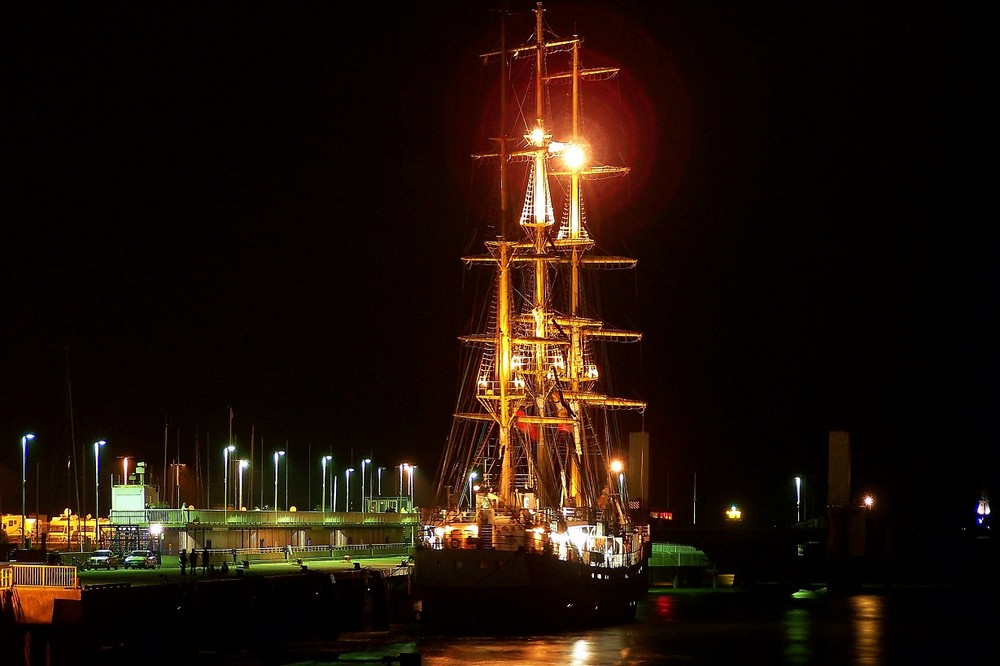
(170, 530)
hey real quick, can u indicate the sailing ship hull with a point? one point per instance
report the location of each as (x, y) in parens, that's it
(496, 591)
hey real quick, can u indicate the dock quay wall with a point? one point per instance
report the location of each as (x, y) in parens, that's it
(179, 622)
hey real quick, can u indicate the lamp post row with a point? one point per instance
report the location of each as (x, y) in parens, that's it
(403, 467)
(27, 437)
(324, 461)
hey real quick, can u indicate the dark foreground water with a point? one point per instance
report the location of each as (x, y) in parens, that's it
(901, 625)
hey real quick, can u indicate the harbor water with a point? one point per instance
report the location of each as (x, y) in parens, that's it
(898, 625)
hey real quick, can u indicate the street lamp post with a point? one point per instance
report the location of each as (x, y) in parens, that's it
(244, 463)
(97, 490)
(24, 481)
(323, 461)
(363, 463)
(380, 470)
(277, 454)
(333, 494)
(347, 489)
(286, 480)
(798, 499)
(411, 468)
(225, 480)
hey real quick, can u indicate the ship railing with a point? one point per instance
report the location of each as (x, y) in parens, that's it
(491, 388)
(448, 516)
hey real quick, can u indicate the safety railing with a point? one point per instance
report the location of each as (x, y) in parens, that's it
(38, 575)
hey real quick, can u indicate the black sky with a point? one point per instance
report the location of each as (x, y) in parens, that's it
(264, 206)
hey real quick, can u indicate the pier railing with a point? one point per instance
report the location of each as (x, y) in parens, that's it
(38, 575)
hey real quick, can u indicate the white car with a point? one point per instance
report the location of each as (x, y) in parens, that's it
(141, 559)
(103, 559)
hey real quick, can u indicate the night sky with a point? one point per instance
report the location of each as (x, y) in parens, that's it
(263, 207)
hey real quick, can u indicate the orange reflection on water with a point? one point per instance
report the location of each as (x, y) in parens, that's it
(869, 640)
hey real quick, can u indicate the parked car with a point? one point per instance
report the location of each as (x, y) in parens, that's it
(141, 559)
(103, 559)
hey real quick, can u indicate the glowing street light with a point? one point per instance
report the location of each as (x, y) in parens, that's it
(347, 489)
(156, 531)
(225, 482)
(380, 470)
(472, 477)
(798, 499)
(97, 489)
(868, 501)
(323, 461)
(277, 454)
(24, 480)
(410, 469)
(244, 463)
(363, 463)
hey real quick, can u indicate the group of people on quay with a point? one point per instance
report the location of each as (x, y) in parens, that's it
(192, 558)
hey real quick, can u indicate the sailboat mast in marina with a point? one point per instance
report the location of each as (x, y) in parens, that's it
(528, 510)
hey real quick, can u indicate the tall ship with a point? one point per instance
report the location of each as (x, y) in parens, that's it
(529, 529)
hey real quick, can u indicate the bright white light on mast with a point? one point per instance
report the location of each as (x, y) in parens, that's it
(574, 157)
(537, 137)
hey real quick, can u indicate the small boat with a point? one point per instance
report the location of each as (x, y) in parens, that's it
(530, 528)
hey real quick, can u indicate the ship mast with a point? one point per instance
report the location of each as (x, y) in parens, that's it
(538, 226)
(537, 378)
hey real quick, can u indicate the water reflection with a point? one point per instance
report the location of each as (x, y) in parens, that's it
(868, 614)
(798, 628)
(661, 610)
(724, 627)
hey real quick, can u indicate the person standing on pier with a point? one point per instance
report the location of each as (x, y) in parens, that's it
(204, 562)
(183, 559)
(194, 561)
